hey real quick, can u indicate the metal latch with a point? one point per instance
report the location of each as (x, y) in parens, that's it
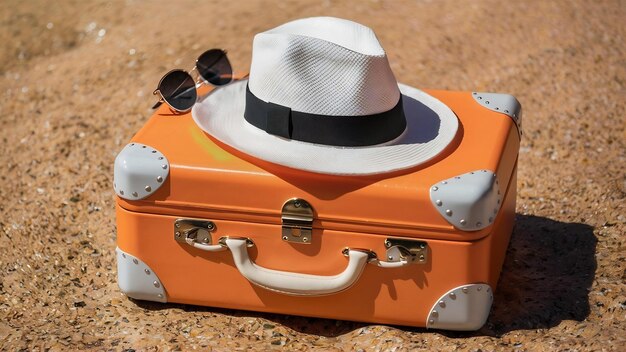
(297, 217)
(198, 230)
(413, 251)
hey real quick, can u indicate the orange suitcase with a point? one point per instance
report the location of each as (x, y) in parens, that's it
(387, 248)
(319, 186)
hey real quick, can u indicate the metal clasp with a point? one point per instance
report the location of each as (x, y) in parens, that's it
(198, 230)
(297, 217)
(413, 251)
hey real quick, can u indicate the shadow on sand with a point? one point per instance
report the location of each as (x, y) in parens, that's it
(547, 273)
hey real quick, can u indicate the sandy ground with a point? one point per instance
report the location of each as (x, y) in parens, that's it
(75, 81)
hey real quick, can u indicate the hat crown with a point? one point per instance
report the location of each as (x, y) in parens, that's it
(324, 66)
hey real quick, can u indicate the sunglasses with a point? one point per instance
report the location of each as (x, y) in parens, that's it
(178, 88)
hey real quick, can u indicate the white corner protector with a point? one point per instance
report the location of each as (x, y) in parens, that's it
(139, 171)
(502, 103)
(137, 280)
(470, 201)
(464, 308)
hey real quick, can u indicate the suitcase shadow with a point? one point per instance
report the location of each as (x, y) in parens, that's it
(548, 271)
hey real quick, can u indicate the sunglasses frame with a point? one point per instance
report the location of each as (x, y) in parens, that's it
(198, 82)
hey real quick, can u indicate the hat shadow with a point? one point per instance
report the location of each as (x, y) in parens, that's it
(423, 124)
(548, 270)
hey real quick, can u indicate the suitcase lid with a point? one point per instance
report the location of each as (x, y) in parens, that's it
(455, 196)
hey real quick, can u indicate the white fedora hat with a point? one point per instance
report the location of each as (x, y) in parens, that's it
(321, 97)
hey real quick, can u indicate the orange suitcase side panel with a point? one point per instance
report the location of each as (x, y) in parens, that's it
(403, 296)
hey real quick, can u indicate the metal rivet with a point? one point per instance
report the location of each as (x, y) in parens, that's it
(305, 239)
(452, 295)
(507, 111)
(474, 93)
(135, 194)
(205, 240)
(159, 179)
(422, 246)
(210, 226)
(479, 288)
(442, 304)
(114, 185)
(177, 233)
(122, 192)
(143, 146)
(148, 188)
(123, 255)
(164, 166)
(498, 201)
(457, 177)
(160, 158)
(160, 295)
(431, 321)
(389, 258)
(435, 188)
(464, 289)
(490, 220)
(422, 257)
(439, 202)
(154, 151)
(463, 222)
(435, 313)
(448, 212)
(488, 289)
(135, 261)
(146, 271)
(297, 204)
(285, 238)
(132, 144)
(445, 182)
(156, 283)
(387, 244)
(177, 225)
(497, 108)
(486, 101)
(480, 97)
(479, 224)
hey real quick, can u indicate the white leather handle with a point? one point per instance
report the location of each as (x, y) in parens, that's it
(293, 283)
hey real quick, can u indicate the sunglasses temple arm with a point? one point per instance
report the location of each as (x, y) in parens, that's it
(158, 103)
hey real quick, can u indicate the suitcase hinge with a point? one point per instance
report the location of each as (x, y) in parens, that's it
(297, 218)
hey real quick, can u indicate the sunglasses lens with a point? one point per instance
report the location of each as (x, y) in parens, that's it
(178, 90)
(214, 67)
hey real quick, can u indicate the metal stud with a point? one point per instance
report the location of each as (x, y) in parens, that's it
(160, 295)
(156, 284)
(159, 179)
(448, 212)
(135, 194)
(439, 202)
(445, 182)
(463, 222)
(305, 239)
(431, 321)
(285, 238)
(452, 295)
(464, 289)
(479, 224)
(123, 255)
(164, 166)
(490, 220)
(160, 158)
(135, 261)
(435, 188)
(434, 313)
(154, 151)
(442, 304)
(122, 192)
(146, 271)
(479, 288)
(148, 188)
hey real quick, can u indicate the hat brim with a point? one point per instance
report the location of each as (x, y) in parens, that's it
(431, 126)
